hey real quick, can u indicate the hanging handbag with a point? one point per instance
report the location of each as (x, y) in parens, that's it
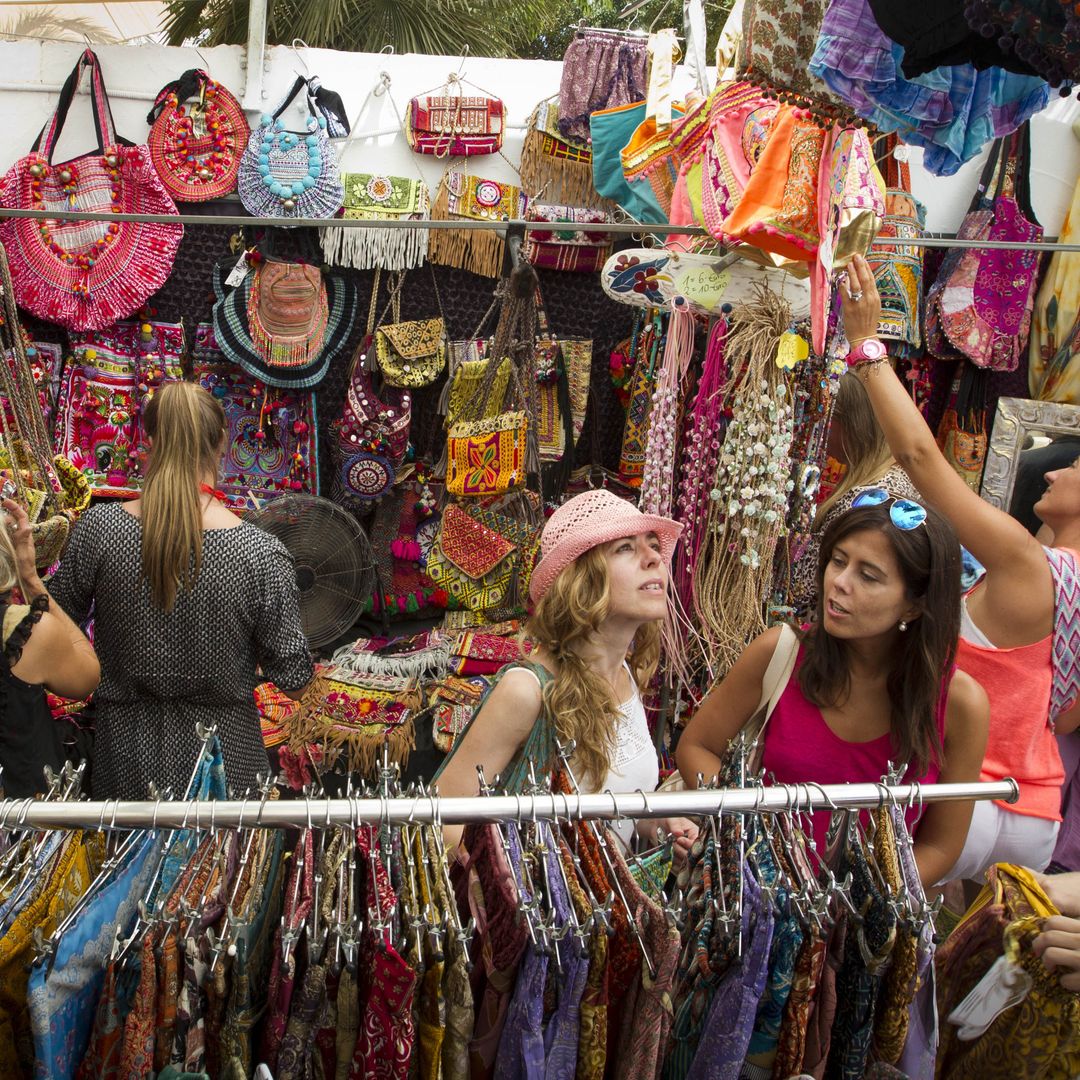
(898, 268)
(85, 275)
(374, 196)
(487, 457)
(411, 354)
(472, 198)
(962, 432)
(450, 124)
(196, 148)
(271, 432)
(295, 173)
(476, 555)
(554, 166)
(105, 386)
(986, 306)
(567, 249)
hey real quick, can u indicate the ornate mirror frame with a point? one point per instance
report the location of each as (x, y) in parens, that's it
(1017, 419)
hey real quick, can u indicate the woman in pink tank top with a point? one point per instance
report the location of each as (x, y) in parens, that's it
(1008, 641)
(874, 680)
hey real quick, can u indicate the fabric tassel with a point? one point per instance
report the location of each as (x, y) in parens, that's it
(480, 251)
(370, 249)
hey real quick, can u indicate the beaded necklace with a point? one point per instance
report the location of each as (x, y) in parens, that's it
(276, 139)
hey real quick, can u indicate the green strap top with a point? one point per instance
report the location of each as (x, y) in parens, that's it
(538, 748)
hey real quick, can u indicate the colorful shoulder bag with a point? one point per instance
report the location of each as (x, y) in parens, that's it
(898, 268)
(196, 148)
(986, 308)
(411, 354)
(462, 197)
(568, 248)
(554, 166)
(453, 124)
(272, 439)
(295, 173)
(86, 275)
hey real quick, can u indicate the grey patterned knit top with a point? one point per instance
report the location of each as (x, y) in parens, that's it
(162, 673)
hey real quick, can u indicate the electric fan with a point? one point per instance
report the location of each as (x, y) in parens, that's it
(335, 571)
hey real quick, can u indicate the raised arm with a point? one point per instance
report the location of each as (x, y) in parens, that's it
(724, 711)
(999, 542)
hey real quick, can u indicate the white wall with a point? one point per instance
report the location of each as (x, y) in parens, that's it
(32, 73)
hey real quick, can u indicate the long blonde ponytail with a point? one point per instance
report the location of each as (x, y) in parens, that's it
(187, 427)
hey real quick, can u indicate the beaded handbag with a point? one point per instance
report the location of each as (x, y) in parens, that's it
(104, 388)
(85, 275)
(487, 457)
(451, 124)
(196, 149)
(272, 435)
(295, 173)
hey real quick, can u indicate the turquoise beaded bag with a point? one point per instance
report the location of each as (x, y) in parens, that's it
(294, 174)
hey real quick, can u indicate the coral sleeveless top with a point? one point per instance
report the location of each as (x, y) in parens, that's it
(800, 746)
(1020, 742)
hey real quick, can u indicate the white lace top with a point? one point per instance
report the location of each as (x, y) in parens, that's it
(634, 764)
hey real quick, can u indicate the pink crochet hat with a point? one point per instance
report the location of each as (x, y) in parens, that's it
(587, 520)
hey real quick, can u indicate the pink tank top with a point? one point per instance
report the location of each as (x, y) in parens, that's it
(800, 746)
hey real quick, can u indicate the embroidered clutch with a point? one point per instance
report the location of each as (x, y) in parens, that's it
(453, 125)
(373, 196)
(554, 165)
(473, 547)
(569, 248)
(486, 457)
(411, 354)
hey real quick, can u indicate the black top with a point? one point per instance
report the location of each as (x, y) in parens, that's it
(29, 737)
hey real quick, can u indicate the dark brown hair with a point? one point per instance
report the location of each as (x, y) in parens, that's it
(923, 657)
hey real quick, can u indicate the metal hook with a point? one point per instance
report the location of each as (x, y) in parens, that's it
(296, 52)
(464, 57)
(383, 85)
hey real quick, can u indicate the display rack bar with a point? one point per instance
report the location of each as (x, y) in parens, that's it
(621, 228)
(430, 809)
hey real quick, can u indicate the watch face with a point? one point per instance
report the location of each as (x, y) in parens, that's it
(872, 349)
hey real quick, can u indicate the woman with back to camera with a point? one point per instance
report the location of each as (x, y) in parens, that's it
(600, 596)
(874, 680)
(193, 608)
(1007, 623)
(857, 442)
(42, 649)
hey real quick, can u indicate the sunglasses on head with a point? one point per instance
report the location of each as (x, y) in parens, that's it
(903, 513)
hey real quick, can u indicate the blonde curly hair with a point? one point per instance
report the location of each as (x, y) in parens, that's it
(579, 700)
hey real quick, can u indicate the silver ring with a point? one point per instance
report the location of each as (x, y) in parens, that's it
(856, 296)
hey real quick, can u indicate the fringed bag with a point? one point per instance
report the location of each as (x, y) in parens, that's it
(472, 198)
(373, 196)
(295, 173)
(554, 167)
(354, 716)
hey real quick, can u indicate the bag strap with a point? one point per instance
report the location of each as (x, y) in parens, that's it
(189, 85)
(104, 128)
(1022, 174)
(987, 177)
(777, 674)
(329, 105)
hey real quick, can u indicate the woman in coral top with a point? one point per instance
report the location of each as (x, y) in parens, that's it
(1007, 619)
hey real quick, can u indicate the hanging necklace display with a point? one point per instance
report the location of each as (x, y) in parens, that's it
(196, 148)
(295, 173)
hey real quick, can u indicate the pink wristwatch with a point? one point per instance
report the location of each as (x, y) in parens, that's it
(866, 351)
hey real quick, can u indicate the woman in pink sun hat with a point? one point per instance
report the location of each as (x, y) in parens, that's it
(600, 596)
